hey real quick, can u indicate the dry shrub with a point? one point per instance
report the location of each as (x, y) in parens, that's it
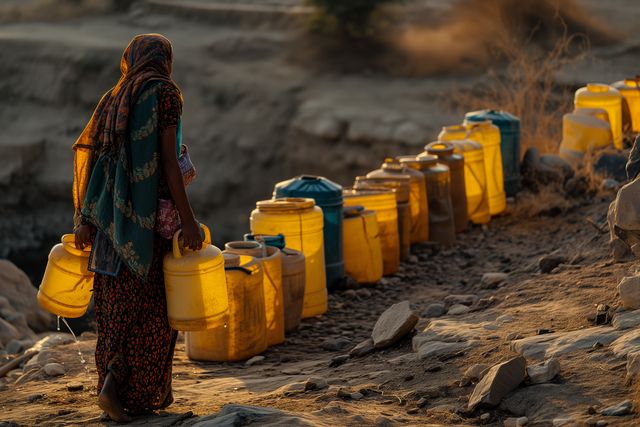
(55, 10)
(549, 200)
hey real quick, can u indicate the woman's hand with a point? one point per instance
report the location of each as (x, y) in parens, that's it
(83, 235)
(191, 235)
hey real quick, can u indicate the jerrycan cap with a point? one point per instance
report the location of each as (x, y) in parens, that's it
(366, 190)
(285, 204)
(231, 260)
(420, 162)
(598, 87)
(440, 148)
(391, 164)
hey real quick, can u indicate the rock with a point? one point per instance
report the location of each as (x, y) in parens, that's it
(564, 421)
(516, 422)
(343, 393)
(499, 381)
(434, 310)
(291, 371)
(626, 320)
(609, 184)
(619, 410)
(467, 300)
(292, 389)
(629, 290)
(548, 345)
(392, 325)
(335, 344)
(493, 280)
(476, 372)
(53, 340)
(75, 387)
(237, 415)
(254, 360)
(362, 349)
(16, 287)
(458, 309)
(611, 165)
(17, 346)
(576, 186)
(627, 343)
(8, 332)
(484, 418)
(505, 318)
(633, 367)
(316, 383)
(403, 358)
(357, 396)
(620, 250)
(338, 360)
(544, 372)
(54, 369)
(548, 262)
(439, 348)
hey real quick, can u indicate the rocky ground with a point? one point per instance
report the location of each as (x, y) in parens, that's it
(551, 305)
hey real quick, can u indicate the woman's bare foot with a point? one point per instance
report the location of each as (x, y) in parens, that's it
(109, 402)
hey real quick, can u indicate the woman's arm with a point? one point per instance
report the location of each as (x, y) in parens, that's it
(190, 227)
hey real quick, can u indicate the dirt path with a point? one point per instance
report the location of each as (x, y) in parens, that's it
(393, 381)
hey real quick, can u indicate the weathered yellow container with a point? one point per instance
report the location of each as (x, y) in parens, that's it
(301, 222)
(392, 169)
(582, 133)
(293, 277)
(630, 91)
(361, 242)
(598, 113)
(488, 135)
(195, 285)
(596, 95)
(383, 203)
(67, 284)
(271, 260)
(244, 334)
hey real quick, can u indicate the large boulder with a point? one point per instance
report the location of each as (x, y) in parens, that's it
(629, 290)
(499, 381)
(16, 287)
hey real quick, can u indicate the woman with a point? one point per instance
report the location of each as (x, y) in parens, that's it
(125, 160)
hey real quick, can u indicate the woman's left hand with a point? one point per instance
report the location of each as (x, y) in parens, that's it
(83, 235)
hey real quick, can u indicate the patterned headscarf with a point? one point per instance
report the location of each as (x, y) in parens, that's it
(148, 57)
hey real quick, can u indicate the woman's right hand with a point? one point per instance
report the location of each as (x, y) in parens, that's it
(83, 234)
(191, 235)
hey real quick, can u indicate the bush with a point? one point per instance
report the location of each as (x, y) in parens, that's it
(350, 17)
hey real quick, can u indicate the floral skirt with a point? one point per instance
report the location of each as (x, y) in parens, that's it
(135, 341)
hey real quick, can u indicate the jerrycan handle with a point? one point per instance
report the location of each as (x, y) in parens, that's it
(242, 269)
(177, 252)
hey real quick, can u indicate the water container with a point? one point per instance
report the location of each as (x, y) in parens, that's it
(488, 135)
(441, 219)
(630, 91)
(583, 133)
(509, 144)
(195, 285)
(301, 223)
(362, 249)
(271, 260)
(67, 284)
(275, 241)
(293, 283)
(328, 196)
(598, 113)
(383, 203)
(392, 169)
(244, 334)
(596, 95)
(445, 153)
(465, 142)
(401, 189)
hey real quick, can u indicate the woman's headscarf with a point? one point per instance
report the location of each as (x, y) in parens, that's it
(148, 57)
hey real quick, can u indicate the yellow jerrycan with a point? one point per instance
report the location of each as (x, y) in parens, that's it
(67, 283)
(361, 241)
(301, 223)
(383, 203)
(582, 133)
(195, 285)
(271, 260)
(293, 283)
(596, 95)
(630, 91)
(244, 335)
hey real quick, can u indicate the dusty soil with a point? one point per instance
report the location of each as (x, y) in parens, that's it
(560, 301)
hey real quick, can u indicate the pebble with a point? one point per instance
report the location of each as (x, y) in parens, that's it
(548, 262)
(392, 325)
(73, 387)
(413, 411)
(316, 383)
(485, 417)
(434, 310)
(458, 309)
(493, 280)
(54, 369)
(357, 396)
(468, 300)
(254, 360)
(335, 344)
(516, 422)
(338, 360)
(291, 371)
(362, 349)
(544, 372)
(476, 372)
(619, 410)
(422, 402)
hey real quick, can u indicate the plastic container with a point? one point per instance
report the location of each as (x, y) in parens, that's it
(393, 169)
(301, 223)
(244, 334)
(597, 95)
(195, 285)
(66, 286)
(383, 203)
(362, 249)
(328, 196)
(583, 133)
(445, 153)
(293, 283)
(509, 126)
(441, 219)
(271, 260)
(401, 190)
(275, 241)
(598, 113)
(630, 91)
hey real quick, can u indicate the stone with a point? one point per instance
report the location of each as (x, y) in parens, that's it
(434, 310)
(484, 418)
(476, 372)
(8, 332)
(516, 422)
(619, 410)
(291, 371)
(335, 344)
(493, 280)
(563, 421)
(75, 387)
(633, 367)
(458, 309)
(316, 383)
(548, 262)
(254, 360)
(544, 372)
(439, 349)
(629, 291)
(499, 381)
(357, 396)
(54, 339)
(338, 360)
(620, 250)
(392, 325)
(343, 393)
(17, 346)
(626, 320)
(611, 165)
(237, 415)
(468, 300)
(292, 389)
(545, 346)
(627, 343)
(54, 369)
(362, 349)
(610, 184)
(504, 318)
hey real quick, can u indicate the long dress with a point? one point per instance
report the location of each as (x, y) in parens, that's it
(135, 341)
